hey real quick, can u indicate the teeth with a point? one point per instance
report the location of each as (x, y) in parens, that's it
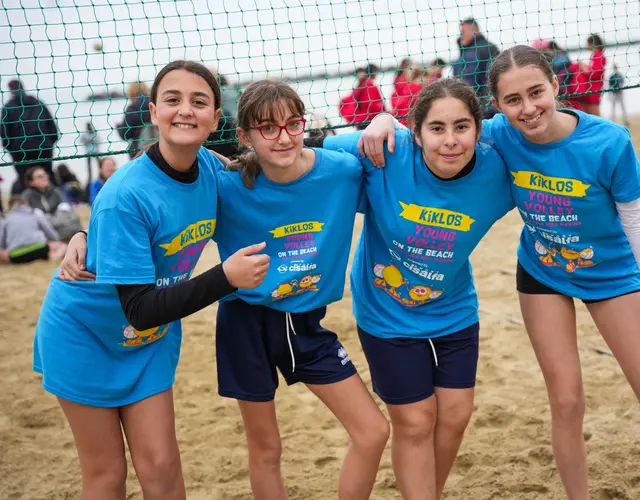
(183, 125)
(532, 120)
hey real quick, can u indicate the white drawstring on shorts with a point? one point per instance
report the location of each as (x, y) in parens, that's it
(435, 356)
(290, 328)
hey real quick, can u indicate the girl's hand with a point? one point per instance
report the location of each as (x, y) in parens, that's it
(371, 143)
(72, 267)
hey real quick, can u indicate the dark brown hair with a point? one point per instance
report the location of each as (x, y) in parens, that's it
(447, 87)
(596, 41)
(192, 67)
(519, 56)
(32, 170)
(262, 101)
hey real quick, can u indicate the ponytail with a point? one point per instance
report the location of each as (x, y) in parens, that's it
(247, 164)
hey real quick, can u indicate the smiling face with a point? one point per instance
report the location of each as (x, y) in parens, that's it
(448, 137)
(276, 147)
(528, 100)
(184, 111)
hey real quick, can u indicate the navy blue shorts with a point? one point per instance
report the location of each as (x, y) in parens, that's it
(404, 370)
(525, 283)
(252, 341)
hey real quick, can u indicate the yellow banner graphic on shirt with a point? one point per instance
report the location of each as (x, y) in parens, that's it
(553, 185)
(193, 233)
(440, 217)
(312, 226)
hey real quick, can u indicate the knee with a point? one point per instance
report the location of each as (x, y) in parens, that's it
(417, 427)
(569, 406)
(456, 420)
(373, 436)
(265, 451)
(160, 472)
(111, 476)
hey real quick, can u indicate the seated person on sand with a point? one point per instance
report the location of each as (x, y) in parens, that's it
(26, 235)
(42, 196)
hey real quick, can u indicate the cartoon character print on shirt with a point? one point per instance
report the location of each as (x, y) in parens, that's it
(295, 287)
(180, 257)
(391, 280)
(429, 242)
(296, 244)
(134, 337)
(564, 257)
(549, 214)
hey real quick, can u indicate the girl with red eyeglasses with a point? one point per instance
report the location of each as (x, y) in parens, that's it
(302, 203)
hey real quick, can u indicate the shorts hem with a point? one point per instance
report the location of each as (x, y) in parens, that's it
(405, 400)
(458, 385)
(104, 404)
(328, 380)
(260, 398)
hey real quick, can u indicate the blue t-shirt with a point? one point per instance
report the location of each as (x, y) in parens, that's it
(145, 228)
(411, 275)
(566, 191)
(307, 225)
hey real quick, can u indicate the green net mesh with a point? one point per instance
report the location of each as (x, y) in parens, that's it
(87, 61)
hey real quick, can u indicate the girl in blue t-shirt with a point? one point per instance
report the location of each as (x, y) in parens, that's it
(413, 294)
(302, 202)
(108, 348)
(576, 183)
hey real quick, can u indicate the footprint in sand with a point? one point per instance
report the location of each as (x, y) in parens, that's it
(611, 493)
(542, 455)
(322, 461)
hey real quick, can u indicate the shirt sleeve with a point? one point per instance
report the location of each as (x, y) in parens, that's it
(625, 179)
(122, 247)
(630, 218)
(146, 306)
(346, 142)
(485, 131)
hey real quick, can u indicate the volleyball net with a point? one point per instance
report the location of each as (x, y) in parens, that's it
(91, 63)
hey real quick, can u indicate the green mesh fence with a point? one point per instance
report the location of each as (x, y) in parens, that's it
(87, 62)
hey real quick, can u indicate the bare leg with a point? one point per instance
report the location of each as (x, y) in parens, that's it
(350, 401)
(551, 324)
(100, 446)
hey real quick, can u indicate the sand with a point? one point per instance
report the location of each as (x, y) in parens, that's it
(506, 453)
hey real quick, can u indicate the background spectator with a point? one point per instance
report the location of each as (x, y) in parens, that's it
(89, 139)
(616, 82)
(29, 132)
(476, 55)
(26, 235)
(137, 118)
(49, 200)
(107, 166)
(366, 101)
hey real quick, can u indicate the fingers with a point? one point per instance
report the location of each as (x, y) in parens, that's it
(361, 146)
(391, 143)
(252, 249)
(81, 260)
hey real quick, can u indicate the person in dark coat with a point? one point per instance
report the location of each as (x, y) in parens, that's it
(476, 56)
(29, 133)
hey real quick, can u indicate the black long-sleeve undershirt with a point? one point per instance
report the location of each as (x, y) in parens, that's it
(146, 306)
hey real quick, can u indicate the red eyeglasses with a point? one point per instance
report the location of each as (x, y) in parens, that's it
(272, 132)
